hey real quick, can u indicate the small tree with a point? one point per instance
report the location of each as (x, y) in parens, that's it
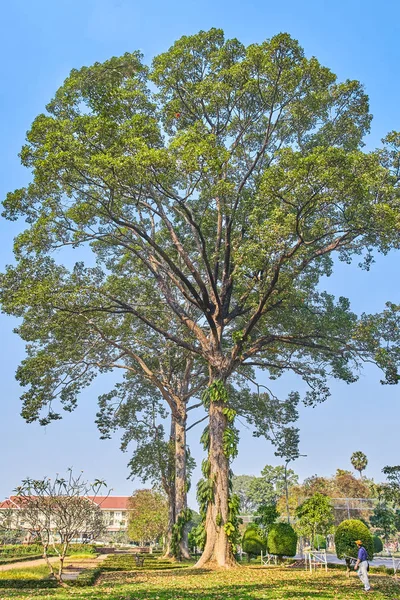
(282, 540)
(254, 542)
(60, 510)
(359, 462)
(384, 519)
(320, 542)
(345, 540)
(315, 516)
(148, 516)
(392, 489)
(267, 514)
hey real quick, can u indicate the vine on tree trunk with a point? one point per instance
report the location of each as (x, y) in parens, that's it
(217, 392)
(177, 532)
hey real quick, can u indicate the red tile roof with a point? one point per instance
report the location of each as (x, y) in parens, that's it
(11, 502)
(111, 502)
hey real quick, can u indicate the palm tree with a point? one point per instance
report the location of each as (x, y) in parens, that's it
(359, 462)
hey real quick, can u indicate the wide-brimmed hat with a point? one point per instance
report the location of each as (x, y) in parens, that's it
(358, 542)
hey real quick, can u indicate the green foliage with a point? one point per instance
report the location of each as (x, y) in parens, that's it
(126, 562)
(392, 489)
(347, 533)
(315, 516)
(267, 514)
(216, 392)
(282, 540)
(320, 542)
(268, 488)
(178, 528)
(88, 577)
(359, 461)
(384, 519)
(24, 550)
(241, 487)
(378, 544)
(148, 516)
(254, 542)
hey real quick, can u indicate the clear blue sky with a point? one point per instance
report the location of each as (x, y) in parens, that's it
(40, 42)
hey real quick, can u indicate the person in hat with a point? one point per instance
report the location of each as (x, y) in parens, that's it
(361, 565)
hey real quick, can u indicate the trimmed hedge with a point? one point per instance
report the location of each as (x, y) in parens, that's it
(378, 544)
(346, 535)
(12, 550)
(126, 562)
(15, 559)
(87, 577)
(21, 550)
(282, 540)
(253, 543)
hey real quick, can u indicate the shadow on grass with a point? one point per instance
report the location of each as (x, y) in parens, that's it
(297, 588)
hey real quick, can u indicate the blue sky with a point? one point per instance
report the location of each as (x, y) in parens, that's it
(41, 42)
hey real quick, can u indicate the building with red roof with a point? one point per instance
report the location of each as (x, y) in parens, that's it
(114, 508)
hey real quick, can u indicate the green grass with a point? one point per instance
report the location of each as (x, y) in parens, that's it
(126, 562)
(26, 573)
(243, 583)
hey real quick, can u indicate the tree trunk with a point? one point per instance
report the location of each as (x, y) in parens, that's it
(168, 482)
(217, 550)
(170, 490)
(181, 480)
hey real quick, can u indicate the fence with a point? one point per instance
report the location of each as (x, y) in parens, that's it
(315, 558)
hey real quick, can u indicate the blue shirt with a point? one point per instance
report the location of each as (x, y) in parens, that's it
(362, 554)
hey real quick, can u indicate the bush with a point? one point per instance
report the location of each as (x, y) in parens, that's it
(25, 550)
(378, 544)
(87, 577)
(320, 542)
(9, 560)
(253, 542)
(282, 540)
(12, 550)
(346, 535)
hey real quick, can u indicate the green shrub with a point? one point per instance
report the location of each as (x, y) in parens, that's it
(253, 542)
(87, 577)
(320, 542)
(282, 540)
(12, 550)
(126, 562)
(22, 550)
(378, 544)
(346, 535)
(9, 560)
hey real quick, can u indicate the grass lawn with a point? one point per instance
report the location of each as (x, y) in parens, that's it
(246, 582)
(25, 573)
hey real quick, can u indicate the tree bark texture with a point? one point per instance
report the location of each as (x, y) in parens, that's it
(181, 480)
(217, 551)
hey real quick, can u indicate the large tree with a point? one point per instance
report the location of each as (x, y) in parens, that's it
(213, 190)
